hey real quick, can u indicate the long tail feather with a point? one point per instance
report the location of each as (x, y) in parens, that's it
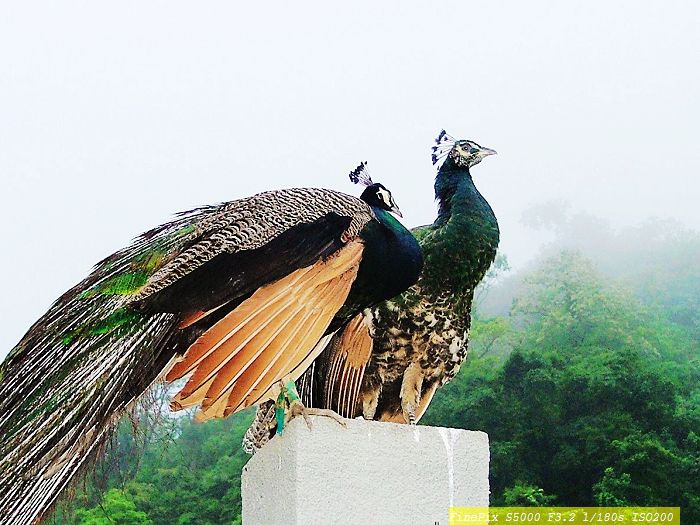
(48, 435)
(75, 372)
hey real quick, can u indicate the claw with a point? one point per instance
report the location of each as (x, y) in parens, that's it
(289, 406)
(410, 414)
(298, 409)
(411, 386)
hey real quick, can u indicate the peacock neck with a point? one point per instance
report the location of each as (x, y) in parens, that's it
(390, 222)
(456, 194)
(462, 242)
(392, 260)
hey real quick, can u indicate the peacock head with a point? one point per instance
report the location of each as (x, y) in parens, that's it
(464, 153)
(374, 194)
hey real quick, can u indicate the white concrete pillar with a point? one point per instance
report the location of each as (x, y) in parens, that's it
(368, 473)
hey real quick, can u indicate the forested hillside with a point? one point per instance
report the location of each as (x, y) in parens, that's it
(583, 370)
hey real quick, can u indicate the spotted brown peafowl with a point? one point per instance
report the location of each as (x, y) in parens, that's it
(387, 363)
(238, 297)
(418, 340)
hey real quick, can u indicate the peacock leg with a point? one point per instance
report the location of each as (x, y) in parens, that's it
(370, 401)
(289, 406)
(262, 429)
(411, 386)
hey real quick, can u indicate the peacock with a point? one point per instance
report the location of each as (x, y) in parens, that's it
(388, 361)
(239, 298)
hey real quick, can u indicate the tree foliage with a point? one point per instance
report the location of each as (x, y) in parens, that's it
(116, 507)
(595, 404)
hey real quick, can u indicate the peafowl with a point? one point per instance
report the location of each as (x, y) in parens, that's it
(388, 361)
(408, 346)
(239, 298)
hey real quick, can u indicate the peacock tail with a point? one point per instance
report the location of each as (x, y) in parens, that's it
(80, 366)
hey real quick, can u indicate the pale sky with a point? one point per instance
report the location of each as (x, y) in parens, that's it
(114, 115)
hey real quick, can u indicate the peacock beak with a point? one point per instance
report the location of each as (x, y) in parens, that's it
(485, 152)
(392, 206)
(395, 209)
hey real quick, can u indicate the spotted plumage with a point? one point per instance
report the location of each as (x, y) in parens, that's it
(234, 297)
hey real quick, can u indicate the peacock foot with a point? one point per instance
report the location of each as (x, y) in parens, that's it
(297, 408)
(411, 386)
(288, 406)
(370, 401)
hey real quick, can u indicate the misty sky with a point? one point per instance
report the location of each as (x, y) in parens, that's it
(113, 115)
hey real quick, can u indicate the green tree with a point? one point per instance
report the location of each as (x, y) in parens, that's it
(598, 400)
(116, 508)
(523, 495)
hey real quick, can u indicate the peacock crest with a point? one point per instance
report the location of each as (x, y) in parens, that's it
(443, 145)
(360, 175)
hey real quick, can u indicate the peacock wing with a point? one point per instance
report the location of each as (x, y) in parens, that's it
(240, 359)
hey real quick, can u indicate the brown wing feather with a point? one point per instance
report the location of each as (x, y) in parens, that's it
(350, 354)
(218, 335)
(307, 338)
(197, 316)
(257, 374)
(242, 340)
(239, 360)
(232, 375)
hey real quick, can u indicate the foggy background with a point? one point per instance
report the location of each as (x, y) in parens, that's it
(113, 116)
